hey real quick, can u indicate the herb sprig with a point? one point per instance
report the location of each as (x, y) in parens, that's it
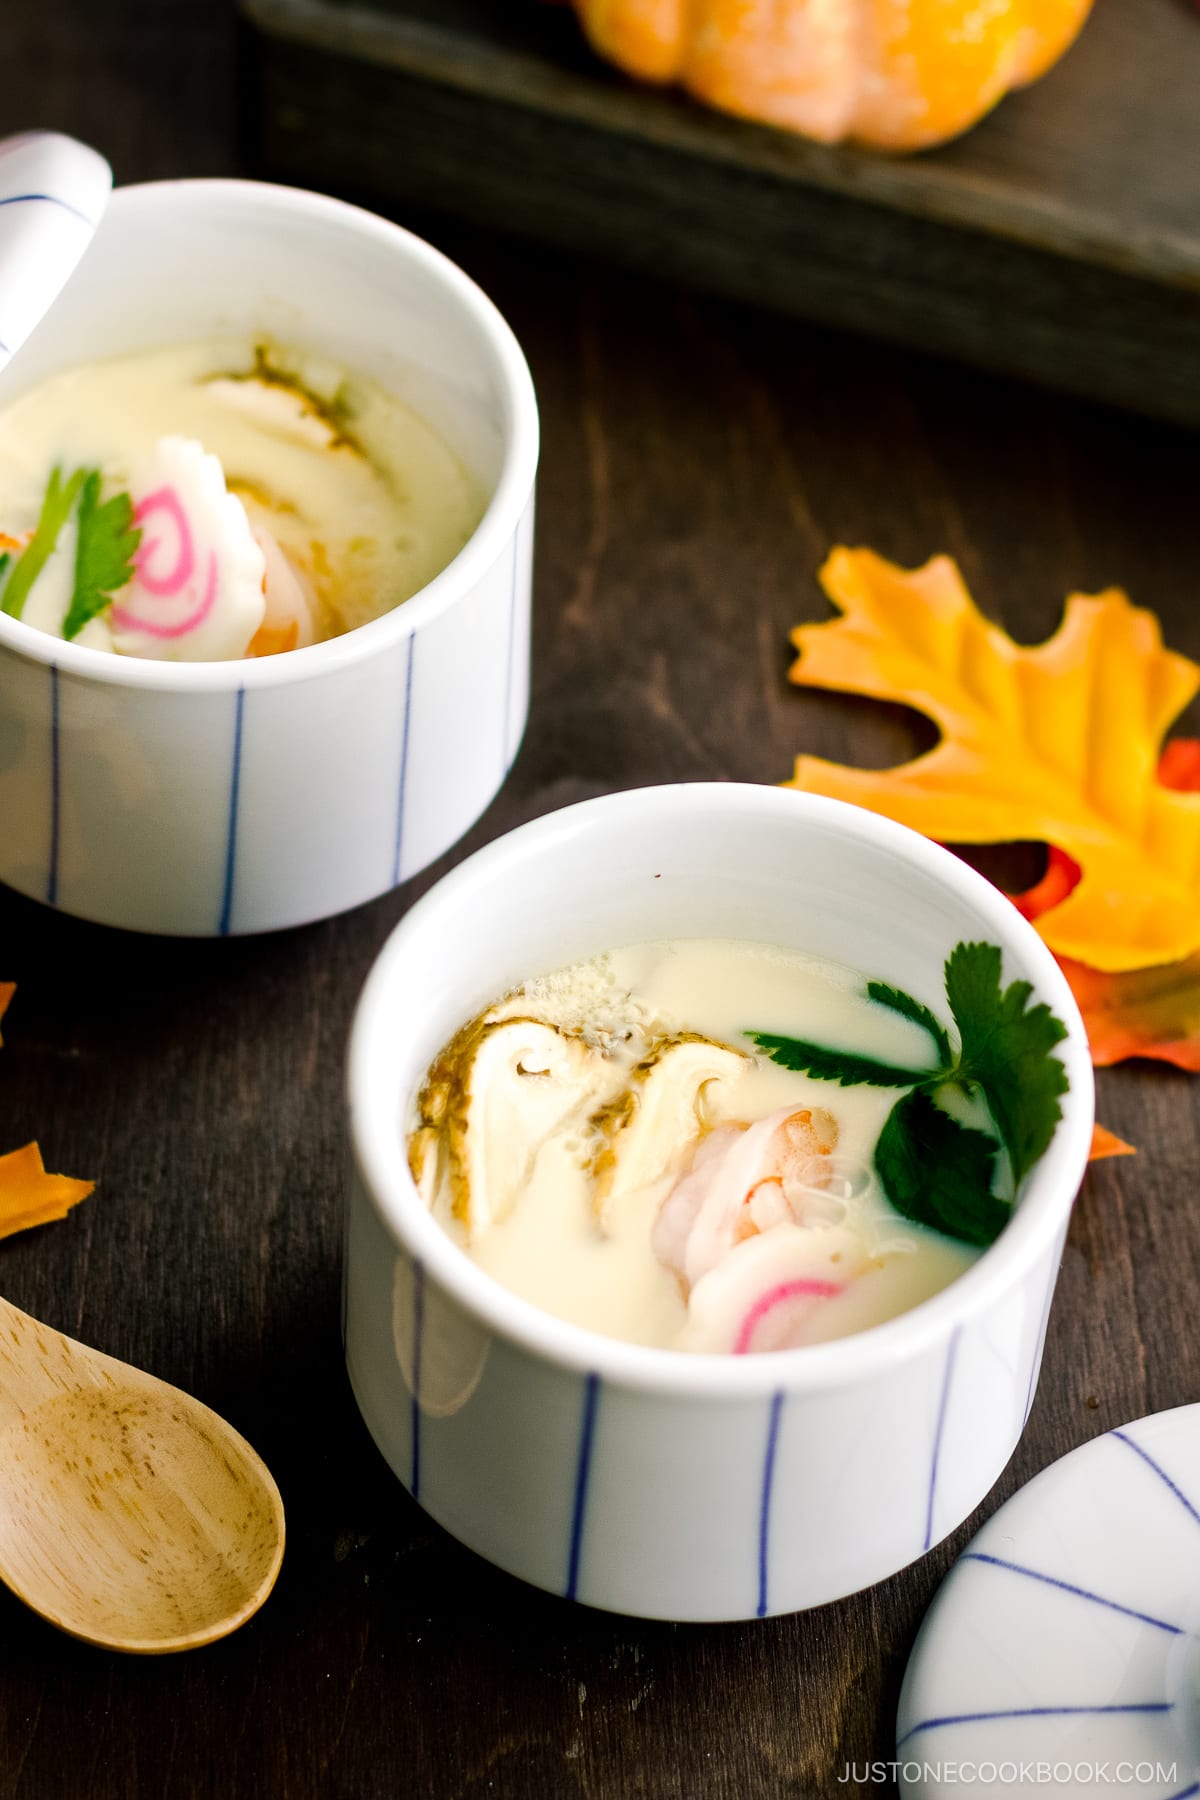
(57, 502)
(106, 543)
(934, 1169)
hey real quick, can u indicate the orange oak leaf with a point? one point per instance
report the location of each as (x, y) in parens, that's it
(1107, 1143)
(1179, 765)
(1058, 742)
(1148, 1012)
(1062, 874)
(29, 1196)
(1153, 1012)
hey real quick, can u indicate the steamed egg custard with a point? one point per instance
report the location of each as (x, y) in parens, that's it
(220, 500)
(612, 1144)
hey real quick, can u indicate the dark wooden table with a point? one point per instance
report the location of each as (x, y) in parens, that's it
(699, 461)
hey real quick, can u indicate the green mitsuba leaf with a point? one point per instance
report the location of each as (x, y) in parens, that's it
(1006, 1049)
(903, 1003)
(56, 510)
(108, 542)
(938, 1172)
(935, 1170)
(841, 1066)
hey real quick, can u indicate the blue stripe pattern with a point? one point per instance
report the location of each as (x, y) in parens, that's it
(1068, 1587)
(48, 200)
(764, 1510)
(1160, 1472)
(403, 778)
(55, 789)
(1035, 1712)
(235, 780)
(512, 633)
(951, 1353)
(1187, 1792)
(418, 1270)
(583, 1467)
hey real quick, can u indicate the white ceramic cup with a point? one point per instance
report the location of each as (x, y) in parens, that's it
(210, 798)
(651, 1481)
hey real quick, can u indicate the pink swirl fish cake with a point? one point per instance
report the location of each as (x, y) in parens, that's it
(218, 501)
(196, 593)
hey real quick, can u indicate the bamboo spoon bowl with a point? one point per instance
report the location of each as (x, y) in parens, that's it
(131, 1516)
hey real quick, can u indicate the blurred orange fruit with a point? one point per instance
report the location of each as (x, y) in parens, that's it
(897, 74)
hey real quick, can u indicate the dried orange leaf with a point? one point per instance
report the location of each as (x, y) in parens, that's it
(1151, 1012)
(7, 990)
(29, 1196)
(1059, 742)
(1179, 765)
(1062, 875)
(1147, 1012)
(1107, 1143)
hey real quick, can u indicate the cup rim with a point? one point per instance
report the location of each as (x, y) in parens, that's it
(494, 530)
(1046, 1201)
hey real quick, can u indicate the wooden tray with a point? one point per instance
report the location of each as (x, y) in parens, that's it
(1060, 240)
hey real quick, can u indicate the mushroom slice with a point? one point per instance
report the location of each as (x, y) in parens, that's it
(492, 1099)
(424, 1161)
(638, 1135)
(281, 408)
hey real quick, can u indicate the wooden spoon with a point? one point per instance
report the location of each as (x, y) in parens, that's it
(130, 1515)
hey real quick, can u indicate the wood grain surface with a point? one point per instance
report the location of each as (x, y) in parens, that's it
(699, 460)
(1060, 240)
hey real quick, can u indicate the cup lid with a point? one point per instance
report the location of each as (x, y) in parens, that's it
(53, 192)
(1066, 1638)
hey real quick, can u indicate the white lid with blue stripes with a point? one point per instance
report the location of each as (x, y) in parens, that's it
(53, 192)
(1062, 1653)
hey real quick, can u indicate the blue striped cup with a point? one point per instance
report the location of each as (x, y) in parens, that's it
(212, 798)
(655, 1482)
